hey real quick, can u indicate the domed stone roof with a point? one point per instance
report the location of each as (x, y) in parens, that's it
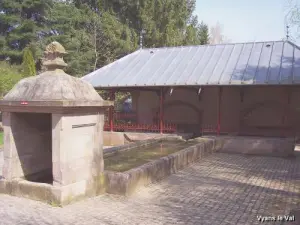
(54, 84)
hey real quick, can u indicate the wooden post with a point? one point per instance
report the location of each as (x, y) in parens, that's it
(219, 111)
(161, 111)
(284, 118)
(111, 112)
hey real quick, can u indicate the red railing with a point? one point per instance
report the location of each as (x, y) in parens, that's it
(127, 122)
(167, 128)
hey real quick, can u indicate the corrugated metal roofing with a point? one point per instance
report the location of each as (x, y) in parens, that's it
(275, 62)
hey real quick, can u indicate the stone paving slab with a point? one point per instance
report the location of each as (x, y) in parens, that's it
(220, 189)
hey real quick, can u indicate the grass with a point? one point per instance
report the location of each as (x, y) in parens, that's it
(1, 138)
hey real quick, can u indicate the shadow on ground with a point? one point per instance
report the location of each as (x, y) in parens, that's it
(232, 189)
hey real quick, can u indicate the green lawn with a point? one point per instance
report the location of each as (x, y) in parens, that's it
(1, 138)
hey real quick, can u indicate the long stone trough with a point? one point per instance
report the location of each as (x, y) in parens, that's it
(125, 183)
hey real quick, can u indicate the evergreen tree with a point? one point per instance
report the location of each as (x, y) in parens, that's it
(95, 32)
(10, 75)
(91, 38)
(28, 63)
(22, 22)
(203, 34)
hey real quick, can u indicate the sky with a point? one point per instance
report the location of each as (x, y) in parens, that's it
(245, 21)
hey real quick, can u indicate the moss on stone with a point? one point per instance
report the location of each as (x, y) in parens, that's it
(54, 203)
(102, 179)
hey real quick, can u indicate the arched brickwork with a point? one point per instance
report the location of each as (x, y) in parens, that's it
(184, 114)
(269, 117)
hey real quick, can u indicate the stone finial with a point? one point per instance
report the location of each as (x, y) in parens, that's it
(54, 56)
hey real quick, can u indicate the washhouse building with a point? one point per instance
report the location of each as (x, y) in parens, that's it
(238, 89)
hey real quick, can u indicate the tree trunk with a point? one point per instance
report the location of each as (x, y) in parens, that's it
(95, 46)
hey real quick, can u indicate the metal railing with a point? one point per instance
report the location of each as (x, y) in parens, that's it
(153, 128)
(127, 121)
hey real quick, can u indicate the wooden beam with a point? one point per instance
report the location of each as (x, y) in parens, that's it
(161, 111)
(111, 112)
(242, 94)
(219, 110)
(200, 93)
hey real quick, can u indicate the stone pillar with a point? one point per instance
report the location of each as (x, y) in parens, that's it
(10, 152)
(77, 152)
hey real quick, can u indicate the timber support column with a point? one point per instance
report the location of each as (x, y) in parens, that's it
(135, 104)
(286, 110)
(219, 110)
(111, 111)
(161, 111)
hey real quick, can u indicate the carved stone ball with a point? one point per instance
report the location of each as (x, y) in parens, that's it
(54, 47)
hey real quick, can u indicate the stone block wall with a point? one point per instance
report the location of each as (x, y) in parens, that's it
(113, 138)
(257, 145)
(77, 148)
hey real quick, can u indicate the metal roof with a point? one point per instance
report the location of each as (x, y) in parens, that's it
(275, 62)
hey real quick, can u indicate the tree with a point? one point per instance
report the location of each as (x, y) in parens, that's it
(293, 16)
(95, 32)
(203, 33)
(28, 63)
(196, 34)
(21, 23)
(10, 75)
(216, 35)
(91, 38)
(69, 31)
(166, 22)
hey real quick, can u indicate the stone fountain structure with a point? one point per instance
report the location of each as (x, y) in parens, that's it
(53, 135)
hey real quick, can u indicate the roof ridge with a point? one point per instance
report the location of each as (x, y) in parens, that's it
(234, 43)
(293, 44)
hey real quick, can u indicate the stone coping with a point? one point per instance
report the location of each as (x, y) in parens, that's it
(254, 145)
(244, 137)
(138, 144)
(59, 103)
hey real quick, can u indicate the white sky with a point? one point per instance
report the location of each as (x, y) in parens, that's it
(243, 21)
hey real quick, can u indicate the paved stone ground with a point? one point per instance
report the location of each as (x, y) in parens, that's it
(221, 189)
(1, 161)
